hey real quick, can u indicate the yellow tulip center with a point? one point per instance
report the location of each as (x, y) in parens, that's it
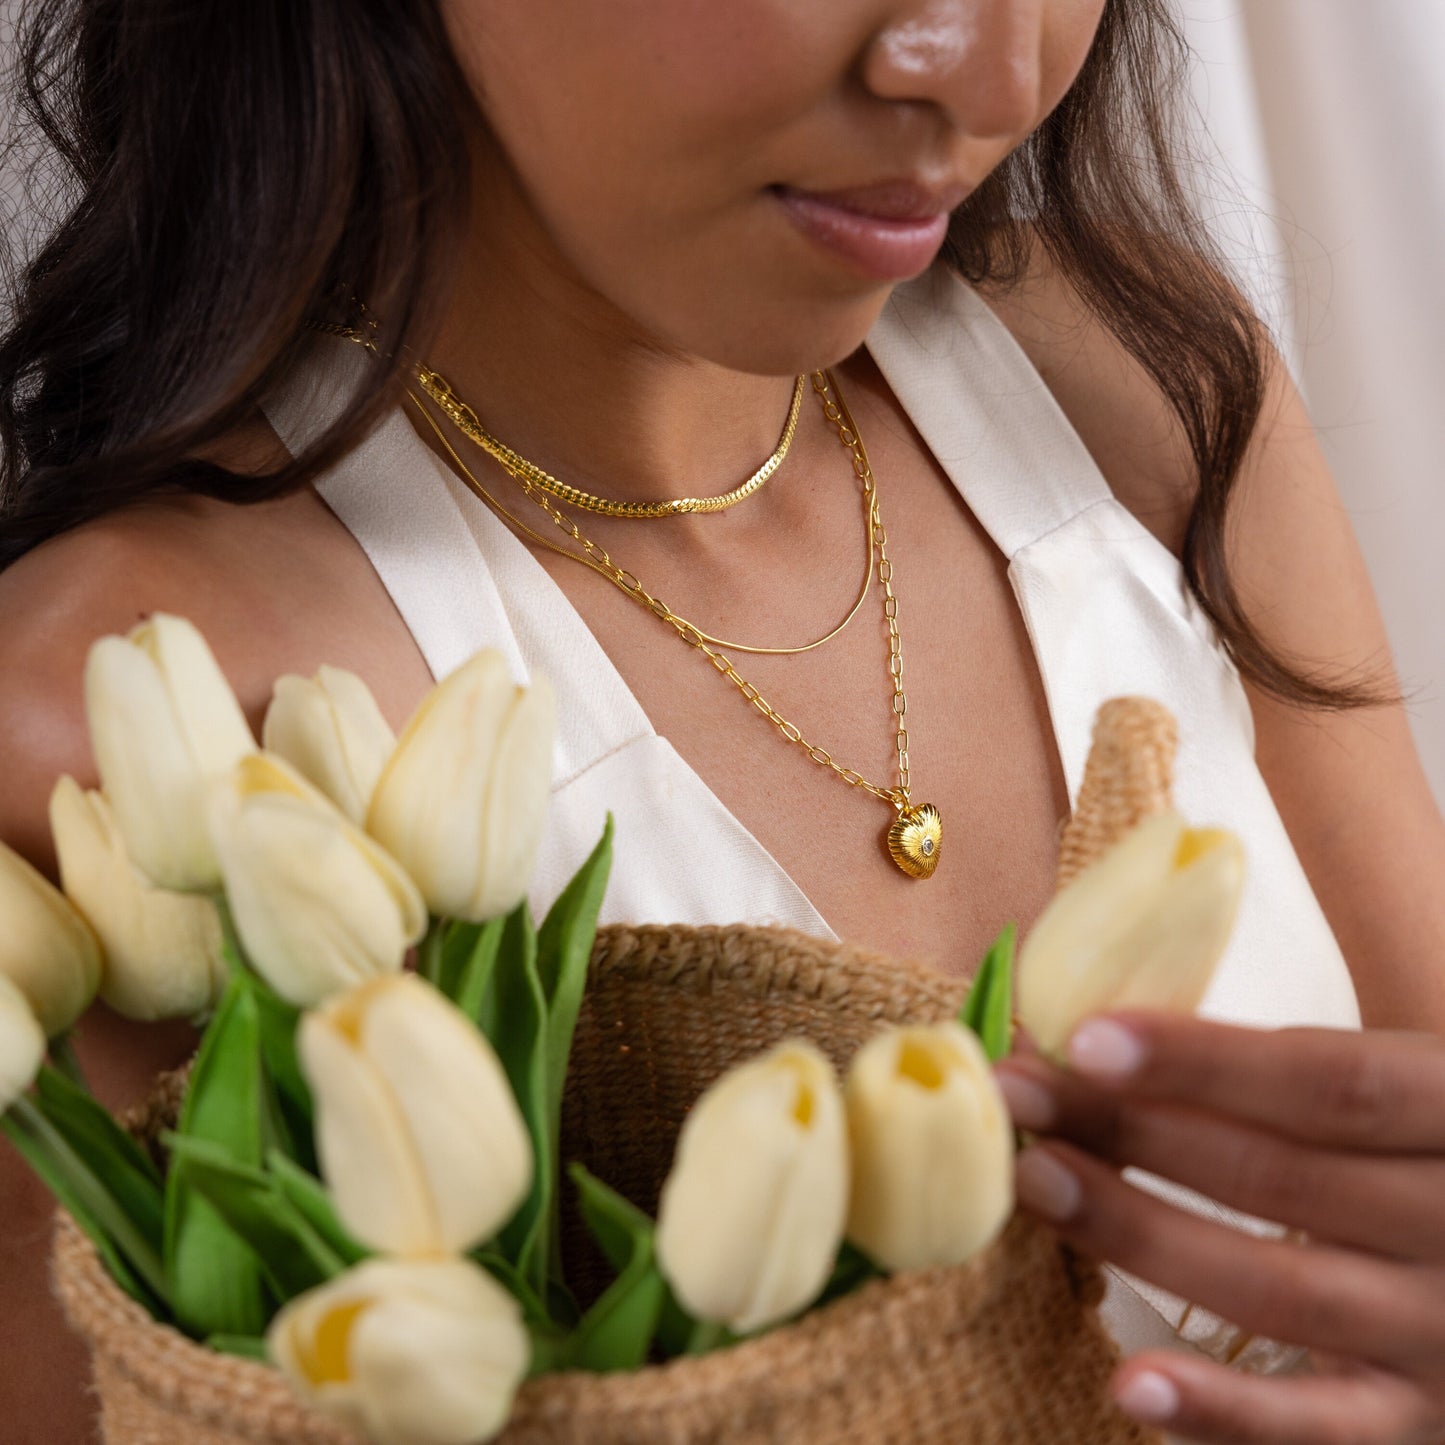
(921, 1065)
(1194, 843)
(327, 1359)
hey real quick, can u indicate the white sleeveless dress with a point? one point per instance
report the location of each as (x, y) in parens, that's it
(1107, 613)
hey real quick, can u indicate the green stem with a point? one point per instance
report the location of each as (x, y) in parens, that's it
(92, 1194)
(429, 952)
(231, 950)
(706, 1335)
(62, 1056)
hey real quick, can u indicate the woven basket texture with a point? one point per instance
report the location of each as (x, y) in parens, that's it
(1004, 1350)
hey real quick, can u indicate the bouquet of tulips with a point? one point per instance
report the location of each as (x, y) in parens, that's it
(364, 1184)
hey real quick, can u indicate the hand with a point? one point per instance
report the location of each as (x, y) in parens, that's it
(1339, 1134)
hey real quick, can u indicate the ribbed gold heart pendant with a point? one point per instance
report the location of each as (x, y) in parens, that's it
(916, 839)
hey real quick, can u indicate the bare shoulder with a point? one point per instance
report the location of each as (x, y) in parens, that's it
(275, 587)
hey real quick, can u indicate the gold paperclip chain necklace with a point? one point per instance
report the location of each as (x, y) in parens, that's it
(915, 838)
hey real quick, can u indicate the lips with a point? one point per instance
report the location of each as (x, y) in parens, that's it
(893, 200)
(887, 231)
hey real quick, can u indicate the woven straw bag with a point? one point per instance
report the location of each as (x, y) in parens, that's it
(1004, 1350)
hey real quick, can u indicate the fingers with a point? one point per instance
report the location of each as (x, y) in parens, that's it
(1380, 1089)
(1326, 1298)
(1211, 1403)
(1385, 1203)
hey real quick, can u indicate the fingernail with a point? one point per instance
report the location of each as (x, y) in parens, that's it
(1149, 1396)
(1046, 1187)
(1105, 1050)
(1030, 1103)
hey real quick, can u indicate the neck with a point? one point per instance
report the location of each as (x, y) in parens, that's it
(578, 388)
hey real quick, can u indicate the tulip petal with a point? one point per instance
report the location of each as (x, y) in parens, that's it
(318, 905)
(47, 949)
(210, 719)
(366, 1154)
(331, 730)
(932, 1148)
(753, 1211)
(471, 1142)
(162, 949)
(421, 1352)
(22, 1044)
(469, 1334)
(516, 803)
(141, 754)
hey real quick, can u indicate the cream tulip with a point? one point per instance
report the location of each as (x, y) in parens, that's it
(420, 1138)
(331, 731)
(1143, 927)
(22, 1044)
(46, 948)
(408, 1352)
(319, 906)
(164, 725)
(752, 1214)
(162, 949)
(932, 1148)
(462, 800)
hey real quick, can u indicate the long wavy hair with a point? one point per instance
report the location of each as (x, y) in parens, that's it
(233, 170)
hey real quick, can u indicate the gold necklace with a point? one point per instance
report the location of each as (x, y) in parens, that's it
(439, 389)
(468, 421)
(915, 837)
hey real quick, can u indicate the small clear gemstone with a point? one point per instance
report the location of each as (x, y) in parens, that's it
(928, 847)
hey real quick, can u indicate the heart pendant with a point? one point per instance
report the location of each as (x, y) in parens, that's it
(915, 840)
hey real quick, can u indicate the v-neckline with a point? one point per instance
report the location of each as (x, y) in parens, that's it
(956, 372)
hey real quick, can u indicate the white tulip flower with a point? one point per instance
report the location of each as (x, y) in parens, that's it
(22, 1044)
(407, 1352)
(420, 1138)
(1143, 927)
(462, 800)
(319, 906)
(164, 725)
(752, 1214)
(162, 949)
(932, 1147)
(331, 731)
(46, 948)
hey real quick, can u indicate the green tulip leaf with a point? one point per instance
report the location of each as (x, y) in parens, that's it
(133, 1260)
(289, 1125)
(114, 1156)
(249, 1347)
(214, 1277)
(308, 1196)
(851, 1269)
(292, 1256)
(513, 1014)
(482, 943)
(564, 951)
(988, 1009)
(517, 1285)
(617, 1332)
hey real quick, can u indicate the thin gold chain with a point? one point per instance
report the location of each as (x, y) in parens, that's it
(836, 411)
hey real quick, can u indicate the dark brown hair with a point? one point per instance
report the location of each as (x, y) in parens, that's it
(235, 171)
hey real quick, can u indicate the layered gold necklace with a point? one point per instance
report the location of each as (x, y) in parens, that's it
(915, 837)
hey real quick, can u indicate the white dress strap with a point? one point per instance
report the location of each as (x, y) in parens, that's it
(461, 581)
(985, 412)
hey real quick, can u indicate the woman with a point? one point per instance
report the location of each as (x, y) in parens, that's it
(620, 231)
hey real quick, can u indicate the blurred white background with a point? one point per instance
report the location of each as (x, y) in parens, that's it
(1330, 115)
(1328, 122)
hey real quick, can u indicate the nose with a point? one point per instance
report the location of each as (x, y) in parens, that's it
(980, 61)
